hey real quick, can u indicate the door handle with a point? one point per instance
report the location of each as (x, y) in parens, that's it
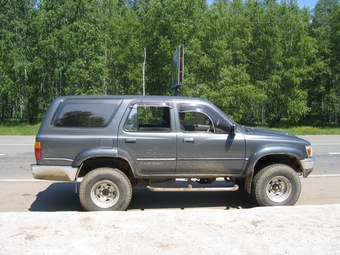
(130, 140)
(189, 140)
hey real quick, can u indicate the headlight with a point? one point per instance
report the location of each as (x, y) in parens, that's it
(309, 151)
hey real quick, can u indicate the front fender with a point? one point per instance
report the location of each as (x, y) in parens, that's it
(271, 150)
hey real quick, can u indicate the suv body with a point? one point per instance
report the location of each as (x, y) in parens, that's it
(120, 142)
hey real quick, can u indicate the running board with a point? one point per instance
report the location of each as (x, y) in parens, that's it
(191, 189)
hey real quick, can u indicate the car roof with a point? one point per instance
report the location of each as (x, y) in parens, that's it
(132, 97)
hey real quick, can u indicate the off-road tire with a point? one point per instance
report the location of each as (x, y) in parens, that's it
(105, 189)
(276, 185)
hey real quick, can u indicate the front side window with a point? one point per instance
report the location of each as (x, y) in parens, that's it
(85, 113)
(195, 117)
(148, 119)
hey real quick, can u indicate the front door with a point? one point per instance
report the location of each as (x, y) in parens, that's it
(204, 145)
(209, 153)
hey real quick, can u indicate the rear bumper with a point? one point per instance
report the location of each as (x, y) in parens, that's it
(308, 166)
(54, 173)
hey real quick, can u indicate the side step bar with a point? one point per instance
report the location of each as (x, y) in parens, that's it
(191, 189)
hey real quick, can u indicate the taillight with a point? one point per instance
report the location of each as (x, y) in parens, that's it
(37, 151)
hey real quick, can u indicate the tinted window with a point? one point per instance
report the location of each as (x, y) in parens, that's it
(195, 121)
(208, 117)
(149, 119)
(86, 112)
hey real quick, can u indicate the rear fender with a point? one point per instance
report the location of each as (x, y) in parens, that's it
(94, 152)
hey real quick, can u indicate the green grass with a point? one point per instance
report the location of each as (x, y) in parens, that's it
(310, 130)
(19, 129)
(14, 128)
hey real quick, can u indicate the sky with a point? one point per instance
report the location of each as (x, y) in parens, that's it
(309, 3)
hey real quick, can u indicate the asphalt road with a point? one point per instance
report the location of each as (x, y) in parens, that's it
(48, 196)
(326, 151)
(16, 156)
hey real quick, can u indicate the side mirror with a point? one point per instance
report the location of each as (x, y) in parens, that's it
(232, 130)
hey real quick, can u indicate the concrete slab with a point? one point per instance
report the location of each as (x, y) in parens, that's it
(265, 230)
(43, 217)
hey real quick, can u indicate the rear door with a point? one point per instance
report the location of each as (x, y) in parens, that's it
(148, 136)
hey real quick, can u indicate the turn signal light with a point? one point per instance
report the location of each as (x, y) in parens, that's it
(309, 151)
(37, 150)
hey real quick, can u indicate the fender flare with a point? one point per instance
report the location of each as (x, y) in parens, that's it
(111, 153)
(94, 153)
(271, 150)
(133, 165)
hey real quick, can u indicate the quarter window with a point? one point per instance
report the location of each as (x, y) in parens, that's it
(85, 113)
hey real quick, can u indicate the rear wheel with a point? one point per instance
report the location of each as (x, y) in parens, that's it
(276, 185)
(105, 189)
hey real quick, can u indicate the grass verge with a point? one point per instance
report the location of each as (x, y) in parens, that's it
(19, 129)
(310, 130)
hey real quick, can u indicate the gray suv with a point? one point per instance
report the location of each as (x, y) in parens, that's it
(115, 143)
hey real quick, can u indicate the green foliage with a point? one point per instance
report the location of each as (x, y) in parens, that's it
(324, 88)
(259, 61)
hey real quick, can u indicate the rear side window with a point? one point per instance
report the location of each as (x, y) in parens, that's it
(149, 119)
(85, 112)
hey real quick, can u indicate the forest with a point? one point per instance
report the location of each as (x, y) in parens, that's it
(263, 62)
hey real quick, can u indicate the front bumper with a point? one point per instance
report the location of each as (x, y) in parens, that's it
(307, 166)
(54, 173)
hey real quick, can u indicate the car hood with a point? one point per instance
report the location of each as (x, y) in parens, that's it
(268, 134)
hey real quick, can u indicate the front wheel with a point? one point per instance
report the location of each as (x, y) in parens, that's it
(276, 185)
(105, 189)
